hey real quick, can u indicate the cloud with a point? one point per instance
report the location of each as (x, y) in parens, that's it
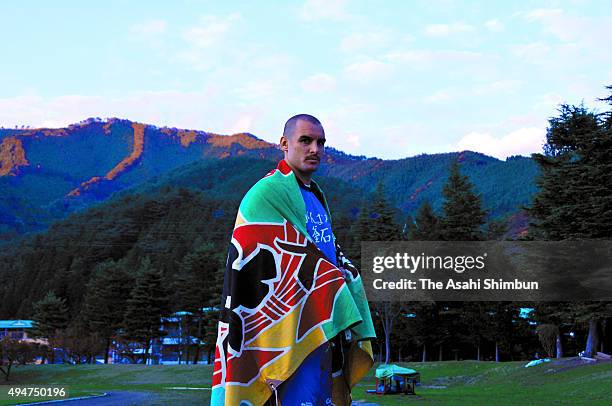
(317, 10)
(555, 22)
(523, 141)
(494, 25)
(210, 31)
(152, 33)
(444, 30)
(549, 101)
(318, 83)
(534, 51)
(441, 96)
(568, 28)
(258, 90)
(426, 58)
(505, 86)
(368, 70)
(402, 140)
(196, 110)
(150, 28)
(243, 123)
(361, 40)
(206, 43)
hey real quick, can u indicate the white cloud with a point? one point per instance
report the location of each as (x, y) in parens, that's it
(549, 102)
(368, 70)
(568, 27)
(402, 140)
(494, 25)
(343, 130)
(317, 10)
(361, 40)
(206, 43)
(257, 91)
(505, 86)
(534, 52)
(441, 96)
(150, 28)
(426, 58)
(242, 124)
(523, 141)
(210, 31)
(543, 14)
(195, 110)
(443, 30)
(318, 83)
(152, 33)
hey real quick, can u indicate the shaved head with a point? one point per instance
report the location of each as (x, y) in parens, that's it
(290, 124)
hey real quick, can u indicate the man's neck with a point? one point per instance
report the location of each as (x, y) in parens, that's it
(305, 178)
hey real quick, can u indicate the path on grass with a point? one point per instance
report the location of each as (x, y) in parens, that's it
(144, 398)
(117, 398)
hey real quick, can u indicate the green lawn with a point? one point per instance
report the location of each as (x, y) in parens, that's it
(506, 383)
(85, 380)
(450, 382)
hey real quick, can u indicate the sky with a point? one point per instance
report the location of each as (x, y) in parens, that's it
(389, 79)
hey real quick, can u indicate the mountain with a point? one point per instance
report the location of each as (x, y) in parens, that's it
(46, 174)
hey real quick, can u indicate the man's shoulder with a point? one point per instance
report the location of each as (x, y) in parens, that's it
(274, 182)
(272, 179)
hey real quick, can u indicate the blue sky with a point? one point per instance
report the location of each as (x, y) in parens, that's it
(387, 78)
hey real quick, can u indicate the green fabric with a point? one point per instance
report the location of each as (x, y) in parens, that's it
(388, 370)
(365, 329)
(275, 198)
(345, 310)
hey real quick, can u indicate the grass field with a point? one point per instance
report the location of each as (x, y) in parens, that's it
(566, 381)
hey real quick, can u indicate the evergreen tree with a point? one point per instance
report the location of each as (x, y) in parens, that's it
(502, 326)
(426, 224)
(50, 317)
(147, 304)
(106, 301)
(557, 314)
(463, 215)
(198, 290)
(576, 178)
(382, 224)
(574, 197)
(426, 327)
(462, 220)
(378, 224)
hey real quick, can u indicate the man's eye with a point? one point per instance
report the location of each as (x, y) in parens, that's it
(321, 143)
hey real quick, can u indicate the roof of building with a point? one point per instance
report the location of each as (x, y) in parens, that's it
(5, 324)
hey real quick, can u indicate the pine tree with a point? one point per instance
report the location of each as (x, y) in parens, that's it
(383, 226)
(576, 168)
(426, 224)
(463, 214)
(147, 304)
(50, 317)
(198, 290)
(462, 220)
(502, 326)
(574, 197)
(106, 301)
(378, 224)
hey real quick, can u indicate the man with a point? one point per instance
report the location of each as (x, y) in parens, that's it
(295, 324)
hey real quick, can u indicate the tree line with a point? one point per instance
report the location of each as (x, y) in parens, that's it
(573, 202)
(112, 273)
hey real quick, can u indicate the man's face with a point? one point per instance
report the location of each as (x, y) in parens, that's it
(304, 150)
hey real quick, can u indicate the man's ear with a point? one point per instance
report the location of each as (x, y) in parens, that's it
(284, 143)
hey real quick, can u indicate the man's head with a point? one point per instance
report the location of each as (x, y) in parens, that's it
(303, 144)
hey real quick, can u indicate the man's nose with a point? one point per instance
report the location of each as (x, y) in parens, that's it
(314, 147)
